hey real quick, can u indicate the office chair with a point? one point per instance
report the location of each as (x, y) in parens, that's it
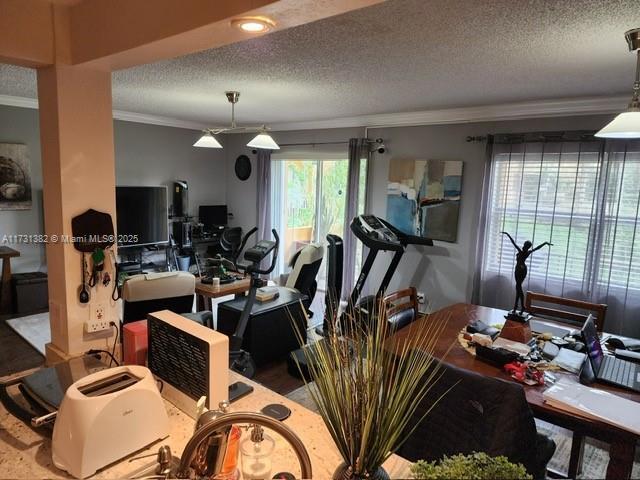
(478, 414)
(230, 241)
(305, 264)
(146, 293)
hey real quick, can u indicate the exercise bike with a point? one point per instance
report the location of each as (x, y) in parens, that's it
(240, 361)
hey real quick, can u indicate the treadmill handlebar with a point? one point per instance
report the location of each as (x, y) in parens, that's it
(379, 243)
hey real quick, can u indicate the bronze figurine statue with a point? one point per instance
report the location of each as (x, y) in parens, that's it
(520, 272)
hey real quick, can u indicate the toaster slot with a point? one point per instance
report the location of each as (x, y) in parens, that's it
(111, 384)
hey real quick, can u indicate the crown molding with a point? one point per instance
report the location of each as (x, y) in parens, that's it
(484, 113)
(25, 102)
(157, 120)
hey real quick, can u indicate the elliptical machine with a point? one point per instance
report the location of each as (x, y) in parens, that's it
(240, 361)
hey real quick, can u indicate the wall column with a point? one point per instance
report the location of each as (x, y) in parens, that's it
(76, 134)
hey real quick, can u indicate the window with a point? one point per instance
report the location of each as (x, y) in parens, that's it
(583, 196)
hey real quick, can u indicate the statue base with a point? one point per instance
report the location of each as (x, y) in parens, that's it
(516, 316)
(516, 328)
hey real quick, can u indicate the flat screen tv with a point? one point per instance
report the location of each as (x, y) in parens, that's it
(142, 216)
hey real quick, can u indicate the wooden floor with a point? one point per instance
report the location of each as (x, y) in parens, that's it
(16, 354)
(275, 377)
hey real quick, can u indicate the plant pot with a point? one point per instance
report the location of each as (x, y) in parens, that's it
(344, 472)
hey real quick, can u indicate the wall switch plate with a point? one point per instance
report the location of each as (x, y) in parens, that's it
(98, 320)
(421, 298)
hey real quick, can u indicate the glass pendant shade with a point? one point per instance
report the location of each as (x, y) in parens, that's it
(625, 125)
(207, 141)
(264, 141)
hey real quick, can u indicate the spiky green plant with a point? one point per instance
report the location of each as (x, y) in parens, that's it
(367, 389)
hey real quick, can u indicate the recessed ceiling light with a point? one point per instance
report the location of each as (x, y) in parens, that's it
(253, 24)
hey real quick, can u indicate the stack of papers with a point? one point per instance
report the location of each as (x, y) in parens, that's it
(595, 404)
(569, 360)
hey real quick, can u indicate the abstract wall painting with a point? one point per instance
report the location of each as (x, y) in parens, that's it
(423, 197)
(15, 177)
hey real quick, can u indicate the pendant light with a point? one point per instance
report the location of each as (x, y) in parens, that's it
(262, 140)
(207, 140)
(627, 124)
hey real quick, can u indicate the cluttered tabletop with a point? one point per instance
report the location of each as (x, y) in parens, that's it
(550, 376)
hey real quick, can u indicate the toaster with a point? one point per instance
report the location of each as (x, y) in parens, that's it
(106, 416)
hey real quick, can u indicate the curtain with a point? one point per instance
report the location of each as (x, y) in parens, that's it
(582, 195)
(263, 197)
(358, 150)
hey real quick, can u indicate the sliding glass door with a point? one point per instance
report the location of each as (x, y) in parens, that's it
(308, 202)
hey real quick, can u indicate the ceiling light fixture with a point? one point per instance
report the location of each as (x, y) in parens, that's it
(253, 24)
(627, 124)
(207, 141)
(262, 140)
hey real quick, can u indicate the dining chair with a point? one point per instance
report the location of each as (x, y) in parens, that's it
(401, 307)
(574, 315)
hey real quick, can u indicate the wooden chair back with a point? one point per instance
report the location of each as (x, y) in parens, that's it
(400, 301)
(599, 310)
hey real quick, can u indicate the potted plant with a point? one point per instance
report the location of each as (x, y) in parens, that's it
(366, 390)
(476, 466)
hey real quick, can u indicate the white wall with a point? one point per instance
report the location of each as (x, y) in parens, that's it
(444, 272)
(145, 155)
(154, 155)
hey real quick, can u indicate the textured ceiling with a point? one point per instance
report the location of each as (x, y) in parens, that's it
(401, 55)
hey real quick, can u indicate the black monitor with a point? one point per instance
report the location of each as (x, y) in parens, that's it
(212, 216)
(142, 216)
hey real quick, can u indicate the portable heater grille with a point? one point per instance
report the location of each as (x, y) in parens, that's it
(178, 358)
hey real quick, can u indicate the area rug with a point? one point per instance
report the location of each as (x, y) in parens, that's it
(594, 461)
(35, 329)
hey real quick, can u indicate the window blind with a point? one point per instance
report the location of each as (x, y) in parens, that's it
(583, 196)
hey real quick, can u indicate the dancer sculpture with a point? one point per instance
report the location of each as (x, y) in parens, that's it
(520, 272)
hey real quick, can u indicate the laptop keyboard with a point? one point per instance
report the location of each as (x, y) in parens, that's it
(618, 371)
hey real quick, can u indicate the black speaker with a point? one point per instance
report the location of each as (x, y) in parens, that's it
(180, 198)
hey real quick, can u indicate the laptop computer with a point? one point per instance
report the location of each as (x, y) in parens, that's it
(607, 368)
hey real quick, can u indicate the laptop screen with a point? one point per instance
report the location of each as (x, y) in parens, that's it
(592, 342)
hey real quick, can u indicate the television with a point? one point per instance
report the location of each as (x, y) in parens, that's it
(212, 216)
(142, 216)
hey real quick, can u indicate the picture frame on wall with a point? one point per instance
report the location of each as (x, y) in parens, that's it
(15, 177)
(423, 197)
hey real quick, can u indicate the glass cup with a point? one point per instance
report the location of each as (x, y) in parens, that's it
(256, 457)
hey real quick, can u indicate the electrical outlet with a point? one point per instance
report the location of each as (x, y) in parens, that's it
(420, 296)
(98, 320)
